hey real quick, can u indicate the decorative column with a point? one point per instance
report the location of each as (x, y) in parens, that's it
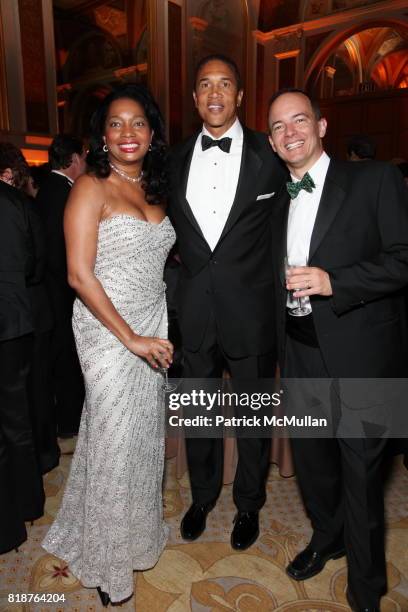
(50, 66)
(158, 69)
(13, 66)
(195, 44)
(266, 76)
(28, 113)
(280, 60)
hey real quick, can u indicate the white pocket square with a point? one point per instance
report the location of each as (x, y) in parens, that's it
(264, 196)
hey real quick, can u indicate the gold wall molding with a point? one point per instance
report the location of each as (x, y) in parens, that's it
(124, 73)
(198, 24)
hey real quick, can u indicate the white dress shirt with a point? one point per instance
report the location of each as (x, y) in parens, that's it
(302, 216)
(212, 183)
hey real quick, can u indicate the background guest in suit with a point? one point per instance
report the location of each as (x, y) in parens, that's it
(361, 148)
(224, 185)
(22, 495)
(350, 221)
(403, 168)
(41, 401)
(67, 160)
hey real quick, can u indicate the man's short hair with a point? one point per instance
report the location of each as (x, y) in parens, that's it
(362, 146)
(61, 150)
(315, 105)
(220, 58)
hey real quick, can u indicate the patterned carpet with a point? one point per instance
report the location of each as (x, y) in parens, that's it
(208, 575)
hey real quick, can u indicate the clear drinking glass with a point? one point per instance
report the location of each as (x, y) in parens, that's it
(303, 307)
(167, 386)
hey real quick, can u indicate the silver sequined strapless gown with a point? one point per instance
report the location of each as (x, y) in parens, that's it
(111, 519)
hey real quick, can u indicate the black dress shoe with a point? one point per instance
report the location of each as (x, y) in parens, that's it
(193, 523)
(246, 530)
(308, 563)
(356, 608)
(105, 599)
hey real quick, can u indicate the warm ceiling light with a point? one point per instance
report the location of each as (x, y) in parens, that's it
(35, 157)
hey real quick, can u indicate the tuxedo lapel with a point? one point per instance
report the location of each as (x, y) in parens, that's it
(332, 198)
(251, 164)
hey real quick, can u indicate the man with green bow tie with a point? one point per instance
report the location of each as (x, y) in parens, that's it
(343, 228)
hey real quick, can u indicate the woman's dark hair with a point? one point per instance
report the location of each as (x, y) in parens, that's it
(11, 157)
(155, 179)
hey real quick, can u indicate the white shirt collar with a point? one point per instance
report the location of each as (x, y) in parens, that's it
(70, 181)
(318, 171)
(235, 131)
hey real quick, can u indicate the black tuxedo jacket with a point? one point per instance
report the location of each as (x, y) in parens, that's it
(235, 281)
(360, 238)
(16, 264)
(51, 200)
(40, 302)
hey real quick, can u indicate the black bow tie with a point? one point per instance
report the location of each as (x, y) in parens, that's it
(223, 143)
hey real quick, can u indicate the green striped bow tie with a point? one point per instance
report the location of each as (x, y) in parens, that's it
(307, 183)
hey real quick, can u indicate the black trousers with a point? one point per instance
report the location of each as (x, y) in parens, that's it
(69, 390)
(341, 482)
(205, 455)
(20, 478)
(41, 400)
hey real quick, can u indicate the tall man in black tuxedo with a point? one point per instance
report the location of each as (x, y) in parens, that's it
(350, 221)
(67, 160)
(224, 186)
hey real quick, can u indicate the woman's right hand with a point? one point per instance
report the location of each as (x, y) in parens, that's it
(158, 352)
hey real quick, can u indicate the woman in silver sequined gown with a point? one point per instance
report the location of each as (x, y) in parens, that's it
(111, 520)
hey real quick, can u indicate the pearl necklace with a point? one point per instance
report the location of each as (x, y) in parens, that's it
(124, 175)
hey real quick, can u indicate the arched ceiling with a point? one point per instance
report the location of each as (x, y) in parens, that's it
(378, 55)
